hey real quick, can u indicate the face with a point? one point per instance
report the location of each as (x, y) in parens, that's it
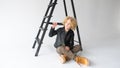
(67, 25)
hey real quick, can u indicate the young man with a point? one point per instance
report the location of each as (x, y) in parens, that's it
(65, 41)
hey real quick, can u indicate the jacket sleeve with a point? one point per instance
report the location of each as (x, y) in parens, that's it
(52, 32)
(71, 42)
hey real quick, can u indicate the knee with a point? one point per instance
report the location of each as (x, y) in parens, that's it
(76, 48)
(60, 49)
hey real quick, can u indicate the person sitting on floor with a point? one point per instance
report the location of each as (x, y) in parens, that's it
(64, 43)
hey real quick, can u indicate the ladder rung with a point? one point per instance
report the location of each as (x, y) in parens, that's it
(76, 41)
(47, 16)
(42, 28)
(50, 5)
(38, 40)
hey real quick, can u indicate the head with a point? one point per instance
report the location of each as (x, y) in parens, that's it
(69, 23)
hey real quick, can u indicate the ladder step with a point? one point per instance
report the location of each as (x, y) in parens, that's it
(76, 41)
(47, 16)
(42, 28)
(38, 40)
(50, 5)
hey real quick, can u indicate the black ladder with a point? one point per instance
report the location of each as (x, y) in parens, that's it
(46, 21)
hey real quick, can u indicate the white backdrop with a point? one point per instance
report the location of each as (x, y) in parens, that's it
(98, 20)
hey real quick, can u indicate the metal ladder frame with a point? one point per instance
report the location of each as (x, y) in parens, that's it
(50, 10)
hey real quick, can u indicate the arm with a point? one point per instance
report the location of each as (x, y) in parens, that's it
(70, 45)
(52, 30)
(71, 42)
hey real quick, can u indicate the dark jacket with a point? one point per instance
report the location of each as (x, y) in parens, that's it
(63, 38)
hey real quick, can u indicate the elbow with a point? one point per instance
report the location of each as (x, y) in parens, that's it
(50, 35)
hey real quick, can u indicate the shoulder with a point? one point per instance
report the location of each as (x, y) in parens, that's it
(71, 31)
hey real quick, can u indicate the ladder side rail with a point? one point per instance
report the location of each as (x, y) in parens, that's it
(41, 24)
(55, 2)
(77, 25)
(65, 8)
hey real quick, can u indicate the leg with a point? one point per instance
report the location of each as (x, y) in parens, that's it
(62, 57)
(76, 48)
(79, 59)
(63, 54)
(61, 51)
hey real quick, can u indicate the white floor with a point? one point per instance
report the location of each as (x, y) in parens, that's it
(16, 50)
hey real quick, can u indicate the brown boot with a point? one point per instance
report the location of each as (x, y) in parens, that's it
(81, 60)
(62, 59)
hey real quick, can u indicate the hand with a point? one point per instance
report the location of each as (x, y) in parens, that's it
(67, 48)
(54, 24)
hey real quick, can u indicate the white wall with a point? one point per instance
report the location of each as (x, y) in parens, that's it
(97, 19)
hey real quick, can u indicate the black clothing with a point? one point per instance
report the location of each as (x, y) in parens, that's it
(63, 37)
